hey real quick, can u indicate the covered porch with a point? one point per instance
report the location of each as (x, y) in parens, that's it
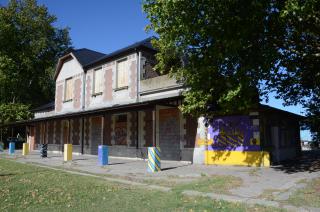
(126, 130)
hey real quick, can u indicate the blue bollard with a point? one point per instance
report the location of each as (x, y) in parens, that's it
(103, 155)
(11, 148)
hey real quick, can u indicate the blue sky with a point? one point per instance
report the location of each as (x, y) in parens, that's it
(106, 26)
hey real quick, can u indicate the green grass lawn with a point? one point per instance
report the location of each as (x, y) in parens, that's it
(220, 184)
(31, 188)
(308, 196)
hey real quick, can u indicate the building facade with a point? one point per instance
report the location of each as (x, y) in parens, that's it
(119, 100)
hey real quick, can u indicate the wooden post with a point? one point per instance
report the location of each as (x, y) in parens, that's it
(69, 130)
(137, 131)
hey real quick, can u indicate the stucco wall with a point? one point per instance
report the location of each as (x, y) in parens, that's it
(111, 95)
(73, 69)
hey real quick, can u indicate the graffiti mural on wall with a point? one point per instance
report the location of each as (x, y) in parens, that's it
(233, 133)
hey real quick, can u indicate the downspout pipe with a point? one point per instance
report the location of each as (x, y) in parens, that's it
(138, 74)
(83, 96)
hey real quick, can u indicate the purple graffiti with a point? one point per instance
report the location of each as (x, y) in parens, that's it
(233, 133)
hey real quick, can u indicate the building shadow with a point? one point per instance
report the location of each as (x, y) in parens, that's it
(174, 167)
(309, 162)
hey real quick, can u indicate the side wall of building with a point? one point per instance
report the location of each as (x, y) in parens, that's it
(70, 69)
(280, 135)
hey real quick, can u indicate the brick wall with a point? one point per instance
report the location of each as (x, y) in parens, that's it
(133, 79)
(133, 129)
(87, 131)
(148, 128)
(76, 131)
(77, 94)
(107, 94)
(107, 129)
(88, 90)
(50, 132)
(59, 96)
(58, 132)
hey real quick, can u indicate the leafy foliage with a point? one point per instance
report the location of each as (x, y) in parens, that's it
(14, 112)
(230, 53)
(29, 47)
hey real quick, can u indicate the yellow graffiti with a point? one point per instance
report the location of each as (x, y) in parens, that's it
(204, 141)
(236, 140)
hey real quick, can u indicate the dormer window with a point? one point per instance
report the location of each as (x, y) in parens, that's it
(122, 73)
(97, 82)
(68, 90)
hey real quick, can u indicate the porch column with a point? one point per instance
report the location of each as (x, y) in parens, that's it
(154, 122)
(82, 136)
(103, 140)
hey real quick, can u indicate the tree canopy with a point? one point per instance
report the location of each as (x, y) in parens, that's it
(30, 45)
(231, 53)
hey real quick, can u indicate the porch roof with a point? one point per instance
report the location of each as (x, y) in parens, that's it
(113, 109)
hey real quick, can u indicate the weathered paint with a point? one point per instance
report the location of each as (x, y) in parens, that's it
(245, 158)
(154, 159)
(25, 149)
(67, 152)
(230, 140)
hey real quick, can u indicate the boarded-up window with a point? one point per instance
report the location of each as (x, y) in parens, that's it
(68, 89)
(122, 73)
(97, 81)
(120, 129)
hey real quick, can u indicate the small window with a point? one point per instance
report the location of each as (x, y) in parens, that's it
(122, 73)
(68, 90)
(97, 81)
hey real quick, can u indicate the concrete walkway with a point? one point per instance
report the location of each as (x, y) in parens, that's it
(283, 180)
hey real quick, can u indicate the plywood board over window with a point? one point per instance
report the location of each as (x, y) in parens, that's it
(68, 89)
(122, 73)
(97, 81)
(120, 129)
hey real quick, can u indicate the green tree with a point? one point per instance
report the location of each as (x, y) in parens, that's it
(14, 112)
(30, 45)
(229, 53)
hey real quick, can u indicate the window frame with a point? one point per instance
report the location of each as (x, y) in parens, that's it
(65, 90)
(124, 59)
(94, 93)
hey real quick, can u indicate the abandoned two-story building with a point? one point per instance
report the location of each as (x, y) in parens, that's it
(119, 100)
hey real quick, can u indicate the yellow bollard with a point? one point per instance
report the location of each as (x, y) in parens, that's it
(67, 152)
(25, 149)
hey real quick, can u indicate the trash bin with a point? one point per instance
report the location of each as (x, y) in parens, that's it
(44, 150)
(11, 148)
(103, 155)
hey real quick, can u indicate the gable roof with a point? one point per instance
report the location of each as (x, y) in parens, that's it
(89, 58)
(86, 56)
(143, 44)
